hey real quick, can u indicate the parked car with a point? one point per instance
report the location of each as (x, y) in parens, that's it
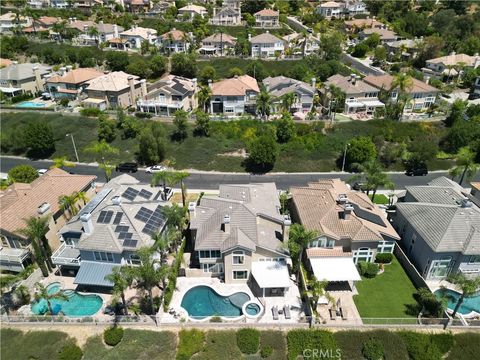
(42, 171)
(360, 186)
(473, 96)
(155, 168)
(419, 170)
(128, 167)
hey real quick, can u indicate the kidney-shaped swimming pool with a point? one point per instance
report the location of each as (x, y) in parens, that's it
(202, 301)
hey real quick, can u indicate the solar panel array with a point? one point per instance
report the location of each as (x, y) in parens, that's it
(118, 218)
(145, 194)
(130, 193)
(130, 243)
(153, 220)
(122, 228)
(95, 201)
(105, 217)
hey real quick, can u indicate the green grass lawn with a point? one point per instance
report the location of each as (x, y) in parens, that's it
(380, 199)
(136, 344)
(220, 345)
(387, 295)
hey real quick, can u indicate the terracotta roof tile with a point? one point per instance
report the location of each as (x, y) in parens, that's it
(236, 86)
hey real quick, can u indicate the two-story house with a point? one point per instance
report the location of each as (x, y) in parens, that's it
(440, 229)
(168, 95)
(355, 7)
(135, 36)
(238, 234)
(360, 97)
(234, 96)
(302, 44)
(9, 21)
(267, 18)
(386, 36)
(19, 202)
(107, 232)
(191, 11)
(278, 86)
(218, 44)
(331, 9)
(451, 65)
(175, 41)
(266, 45)
(70, 83)
(115, 89)
(19, 78)
(421, 95)
(137, 6)
(403, 49)
(355, 25)
(350, 229)
(226, 16)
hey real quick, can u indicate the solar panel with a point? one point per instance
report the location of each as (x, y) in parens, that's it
(145, 194)
(108, 217)
(128, 236)
(122, 235)
(130, 193)
(105, 217)
(118, 218)
(159, 194)
(130, 243)
(121, 228)
(153, 220)
(95, 201)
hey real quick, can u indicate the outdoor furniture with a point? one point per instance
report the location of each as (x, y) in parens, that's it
(275, 313)
(344, 313)
(333, 314)
(286, 311)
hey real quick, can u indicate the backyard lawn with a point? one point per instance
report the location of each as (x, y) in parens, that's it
(388, 295)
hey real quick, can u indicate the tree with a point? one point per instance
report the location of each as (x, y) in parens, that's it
(361, 149)
(81, 196)
(138, 66)
(116, 60)
(285, 128)
(430, 303)
(467, 287)
(235, 71)
(179, 177)
(106, 129)
(67, 203)
(374, 176)
(202, 123)
(22, 174)
(158, 65)
(102, 151)
(181, 125)
(42, 293)
(263, 151)
(39, 139)
(131, 127)
(184, 65)
(162, 243)
(175, 216)
(35, 230)
(257, 70)
(331, 45)
(403, 83)
(252, 7)
(207, 73)
(152, 144)
(93, 33)
(360, 50)
(298, 240)
(264, 102)
(318, 289)
(121, 278)
(288, 100)
(465, 164)
(61, 162)
(457, 112)
(380, 54)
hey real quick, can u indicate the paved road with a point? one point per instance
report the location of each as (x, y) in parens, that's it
(206, 180)
(358, 65)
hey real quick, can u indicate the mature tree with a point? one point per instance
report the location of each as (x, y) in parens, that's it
(202, 123)
(403, 83)
(102, 151)
(131, 127)
(466, 166)
(158, 65)
(360, 149)
(116, 60)
(298, 240)
(207, 73)
(331, 45)
(179, 177)
(373, 174)
(285, 128)
(175, 216)
(121, 278)
(43, 293)
(252, 7)
(93, 33)
(431, 305)
(263, 151)
(61, 162)
(257, 70)
(456, 113)
(235, 71)
(22, 174)
(181, 125)
(184, 65)
(288, 100)
(318, 289)
(139, 66)
(467, 287)
(203, 95)
(35, 230)
(152, 144)
(106, 129)
(162, 243)
(264, 103)
(39, 139)
(360, 50)
(67, 204)
(380, 54)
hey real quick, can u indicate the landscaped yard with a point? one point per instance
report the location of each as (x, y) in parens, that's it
(388, 295)
(380, 199)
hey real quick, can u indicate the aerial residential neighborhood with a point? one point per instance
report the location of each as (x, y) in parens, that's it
(239, 179)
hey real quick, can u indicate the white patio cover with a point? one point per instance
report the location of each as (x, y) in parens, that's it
(334, 269)
(373, 103)
(354, 104)
(271, 274)
(9, 90)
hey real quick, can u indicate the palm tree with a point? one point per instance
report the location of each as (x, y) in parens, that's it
(373, 173)
(121, 278)
(264, 102)
(35, 230)
(81, 196)
(164, 177)
(67, 203)
(93, 32)
(178, 177)
(61, 162)
(465, 165)
(162, 243)
(288, 100)
(203, 97)
(102, 149)
(299, 239)
(175, 216)
(42, 293)
(317, 288)
(149, 274)
(404, 83)
(467, 287)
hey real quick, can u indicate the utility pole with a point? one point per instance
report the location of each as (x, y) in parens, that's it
(344, 156)
(74, 147)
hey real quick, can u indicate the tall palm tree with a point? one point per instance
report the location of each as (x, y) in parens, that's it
(465, 165)
(101, 150)
(288, 100)
(35, 230)
(162, 243)
(61, 162)
(298, 241)
(81, 196)
(373, 173)
(317, 288)
(164, 177)
(42, 293)
(264, 102)
(179, 177)
(467, 286)
(67, 203)
(175, 216)
(403, 83)
(121, 278)
(93, 32)
(203, 97)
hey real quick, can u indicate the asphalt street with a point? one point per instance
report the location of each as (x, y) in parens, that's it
(211, 180)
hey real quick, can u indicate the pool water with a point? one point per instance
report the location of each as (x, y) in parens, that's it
(30, 104)
(77, 304)
(252, 309)
(469, 304)
(203, 301)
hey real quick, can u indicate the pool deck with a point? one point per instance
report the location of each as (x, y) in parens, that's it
(291, 298)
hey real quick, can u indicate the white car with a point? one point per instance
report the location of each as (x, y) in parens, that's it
(155, 168)
(42, 171)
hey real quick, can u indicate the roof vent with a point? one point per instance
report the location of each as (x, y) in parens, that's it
(286, 220)
(466, 203)
(192, 205)
(42, 209)
(116, 200)
(226, 219)
(342, 198)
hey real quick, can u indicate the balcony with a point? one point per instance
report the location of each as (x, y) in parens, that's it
(160, 102)
(66, 255)
(12, 259)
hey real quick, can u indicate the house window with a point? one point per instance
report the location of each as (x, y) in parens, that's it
(238, 257)
(386, 247)
(209, 254)
(212, 268)
(441, 268)
(322, 242)
(102, 256)
(362, 254)
(240, 274)
(135, 260)
(474, 259)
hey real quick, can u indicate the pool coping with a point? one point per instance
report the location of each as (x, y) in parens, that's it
(450, 287)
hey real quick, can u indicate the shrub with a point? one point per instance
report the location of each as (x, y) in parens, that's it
(216, 319)
(298, 340)
(70, 352)
(443, 341)
(172, 278)
(91, 112)
(112, 336)
(420, 346)
(373, 350)
(23, 174)
(368, 269)
(266, 352)
(467, 346)
(248, 340)
(384, 258)
(191, 342)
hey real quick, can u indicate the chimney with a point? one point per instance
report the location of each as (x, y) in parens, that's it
(43, 209)
(226, 224)
(249, 37)
(116, 200)
(69, 68)
(314, 82)
(62, 70)
(210, 82)
(38, 78)
(452, 53)
(115, 31)
(132, 87)
(342, 198)
(286, 227)
(143, 84)
(87, 223)
(347, 210)
(194, 84)
(426, 79)
(191, 209)
(353, 79)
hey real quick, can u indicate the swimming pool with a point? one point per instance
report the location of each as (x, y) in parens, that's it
(77, 304)
(469, 304)
(30, 104)
(202, 301)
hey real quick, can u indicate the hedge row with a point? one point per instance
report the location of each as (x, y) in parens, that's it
(172, 277)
